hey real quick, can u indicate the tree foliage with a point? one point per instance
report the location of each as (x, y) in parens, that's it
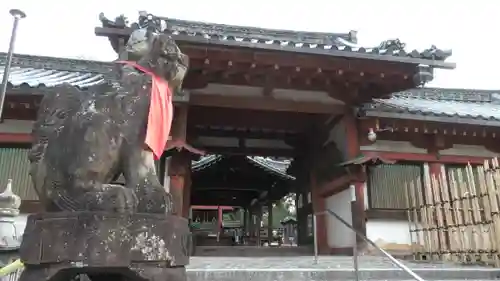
(281, 209)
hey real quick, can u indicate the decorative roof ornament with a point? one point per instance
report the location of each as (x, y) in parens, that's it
(424, 75)
(9, 201)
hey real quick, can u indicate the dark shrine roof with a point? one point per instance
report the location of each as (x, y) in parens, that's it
(481, 107)
(268, 165)
(318, 43)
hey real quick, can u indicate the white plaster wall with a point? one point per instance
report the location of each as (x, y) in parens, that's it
(339, 235)
(388, 231)
(393, 235)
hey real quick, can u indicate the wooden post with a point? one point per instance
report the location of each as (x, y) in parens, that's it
(318, 206)
(250, 222)
(245, 221)
(259, 219)
(186, 195)
(220, 219)
(353, 151)
(180, 164)
(358, 210)
(269, 221)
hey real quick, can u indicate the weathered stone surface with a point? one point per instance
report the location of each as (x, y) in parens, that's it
(105, 239)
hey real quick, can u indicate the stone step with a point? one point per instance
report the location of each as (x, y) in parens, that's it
(323, 275)
(251, 251)
(327, 269)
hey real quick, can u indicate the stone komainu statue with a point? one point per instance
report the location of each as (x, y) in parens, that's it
(83, 140)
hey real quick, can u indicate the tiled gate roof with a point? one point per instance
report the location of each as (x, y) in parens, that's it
(433, 103)
(319, 43)
(277, 167)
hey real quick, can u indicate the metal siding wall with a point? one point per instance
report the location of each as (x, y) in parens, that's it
(14, 165)
(387, 184)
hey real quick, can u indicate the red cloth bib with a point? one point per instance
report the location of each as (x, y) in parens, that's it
(161, 112)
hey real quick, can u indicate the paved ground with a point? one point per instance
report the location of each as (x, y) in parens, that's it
(307, 262)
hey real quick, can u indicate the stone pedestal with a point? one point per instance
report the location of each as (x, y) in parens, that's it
(105, 246)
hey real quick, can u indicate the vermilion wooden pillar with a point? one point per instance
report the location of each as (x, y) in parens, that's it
(435, 145)
(179, 170)
(186, 196)
(435, 169)
(220, 218)
(180, 163)
(353, 151)
(318, 206)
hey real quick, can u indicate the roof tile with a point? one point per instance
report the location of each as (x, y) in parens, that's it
(39, 72)
(472, 104)
(34, 77)
(321, 41)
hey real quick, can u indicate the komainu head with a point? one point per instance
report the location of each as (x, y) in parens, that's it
(158, 52)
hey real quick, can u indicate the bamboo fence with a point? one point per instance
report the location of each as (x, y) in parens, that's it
(455, 216)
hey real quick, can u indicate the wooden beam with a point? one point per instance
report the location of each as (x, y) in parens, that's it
(251, 134)
(226, 188)
(15, 138)
(335, 186)
(450, 159)
(201, 116)
(31, 206)
(225, 202)
(266, 103)
(271, 79)
(250, 151)
(291, 59)
(211, 207)
(398, 215)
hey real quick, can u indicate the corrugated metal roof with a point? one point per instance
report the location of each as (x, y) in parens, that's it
(36, 77)
(14, 164)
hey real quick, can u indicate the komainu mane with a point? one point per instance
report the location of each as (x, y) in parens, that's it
(85, 139)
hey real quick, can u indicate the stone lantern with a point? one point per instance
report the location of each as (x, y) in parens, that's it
(11, 225)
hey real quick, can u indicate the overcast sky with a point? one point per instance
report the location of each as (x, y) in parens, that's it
(470, 28)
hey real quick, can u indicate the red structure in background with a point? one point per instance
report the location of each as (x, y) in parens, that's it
(220, 212)
(311, 97)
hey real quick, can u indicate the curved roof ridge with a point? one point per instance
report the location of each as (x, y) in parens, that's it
(263, 162)
(274, 166)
